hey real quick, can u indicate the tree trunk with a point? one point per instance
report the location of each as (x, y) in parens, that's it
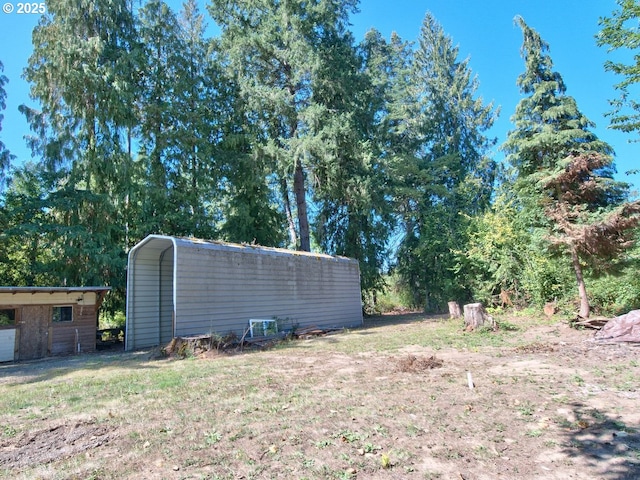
(293, 236)
(475, 316)
(582, 289)
(301, 204)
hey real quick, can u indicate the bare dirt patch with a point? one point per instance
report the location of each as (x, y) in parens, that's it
(53, 443)
(391, 400)
(414, 364)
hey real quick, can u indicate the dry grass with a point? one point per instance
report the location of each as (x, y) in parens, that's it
(387, 401)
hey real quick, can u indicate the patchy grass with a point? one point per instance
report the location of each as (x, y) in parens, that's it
(390, 400)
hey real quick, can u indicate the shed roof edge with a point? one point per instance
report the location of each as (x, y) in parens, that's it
(216, 244)
(4, 289)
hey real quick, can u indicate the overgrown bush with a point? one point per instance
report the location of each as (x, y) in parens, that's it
(545, 279)
(395, 296)
(613, 295)
(111, 320)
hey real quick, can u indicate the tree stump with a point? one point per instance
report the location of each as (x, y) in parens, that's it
(475, 316)
(454, 310)
(550, 308)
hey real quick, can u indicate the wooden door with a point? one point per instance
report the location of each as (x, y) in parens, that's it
(34, 332)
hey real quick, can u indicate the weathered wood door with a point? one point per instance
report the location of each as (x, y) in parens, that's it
(34, 332)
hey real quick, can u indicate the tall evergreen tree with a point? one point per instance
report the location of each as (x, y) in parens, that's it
(5, 155)
(81, 74)
(161, 48)
(204, 104)
(26, 254)
(548, 124)
(250, 209)
(273, 49)
(449, 172)
(564, 172)
(351, 174)
(185, 108)
(620, 33)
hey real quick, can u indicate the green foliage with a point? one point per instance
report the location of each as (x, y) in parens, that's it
(279, 54)
(441, 172)
(5, 319)
(548, 125)
(394, 296)
(5, 155)
(180, 136)
(26, 233)
(616, 292)
(498, 247)
(545, 278)
(80, 75)
(620, 34)
(564, 174)
(283, 131)
(111, 319)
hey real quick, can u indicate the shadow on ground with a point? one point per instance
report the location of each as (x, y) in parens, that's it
(603, 443)
(33, 371)
(376, 321)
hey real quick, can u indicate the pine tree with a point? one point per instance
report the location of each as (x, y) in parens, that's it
(273, 50)
(160, 47)
(448, 173)
(351, 175)
(548, 124)
(81, 74)
(5, 155)
(26, 254)
(620, 32)
(186, 109)
(564, 172)
(204, 104)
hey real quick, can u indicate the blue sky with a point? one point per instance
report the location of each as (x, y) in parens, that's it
(483, 29)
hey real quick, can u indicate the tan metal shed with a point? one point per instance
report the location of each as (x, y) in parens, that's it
(184, 286)
(36, 322)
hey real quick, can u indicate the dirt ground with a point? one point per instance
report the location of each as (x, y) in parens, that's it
(551, 404)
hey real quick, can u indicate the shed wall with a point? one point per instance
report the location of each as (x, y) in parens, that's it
(217, 288)
(82, 329)
(35, 335)
(150, 295)
(46, 298)
(166, 296)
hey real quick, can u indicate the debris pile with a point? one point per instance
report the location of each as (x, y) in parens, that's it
(625, 328)
(593, 323)
(413, 364)
(182, 347)
(315, 331)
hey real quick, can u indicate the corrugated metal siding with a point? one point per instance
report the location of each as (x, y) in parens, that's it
(7, 344)
(143, 293)
(219, 287)
(219, 290)
(166, 296)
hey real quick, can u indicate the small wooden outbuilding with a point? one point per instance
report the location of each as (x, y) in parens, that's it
(184, 287)
(36, 322)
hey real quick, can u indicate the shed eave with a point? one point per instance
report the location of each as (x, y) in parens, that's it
(189, 242)
(99, 290)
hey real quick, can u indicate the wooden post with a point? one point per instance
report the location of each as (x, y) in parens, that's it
(475, 316)
(454, 310)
